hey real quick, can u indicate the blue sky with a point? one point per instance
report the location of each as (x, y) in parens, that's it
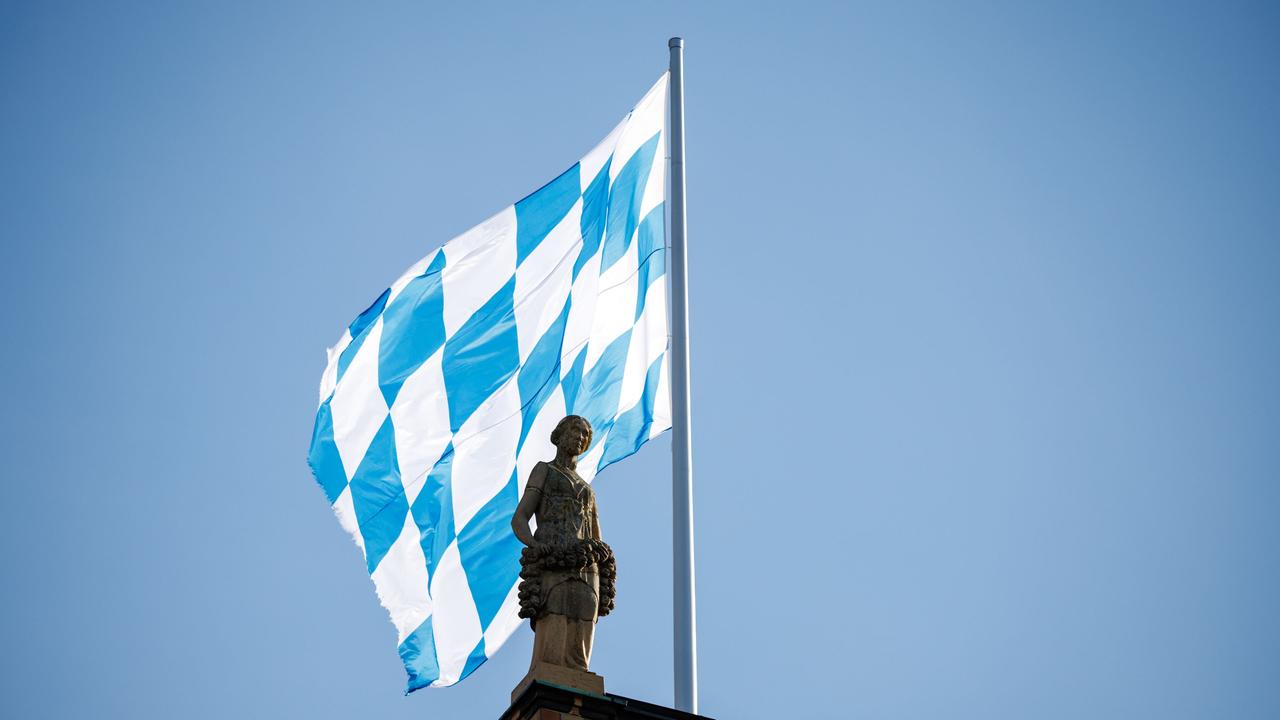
(984, 303)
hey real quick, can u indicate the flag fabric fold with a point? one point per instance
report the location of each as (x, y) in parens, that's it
(440, 397)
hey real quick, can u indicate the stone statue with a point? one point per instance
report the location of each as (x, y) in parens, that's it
(567, 572)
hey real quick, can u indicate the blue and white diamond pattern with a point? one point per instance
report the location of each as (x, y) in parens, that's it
(438, 400)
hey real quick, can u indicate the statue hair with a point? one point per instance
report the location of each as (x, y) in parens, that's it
(560, 426)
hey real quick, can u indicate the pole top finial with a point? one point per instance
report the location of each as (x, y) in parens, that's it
(675, 42)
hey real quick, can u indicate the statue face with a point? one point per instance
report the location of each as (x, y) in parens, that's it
(574, 438)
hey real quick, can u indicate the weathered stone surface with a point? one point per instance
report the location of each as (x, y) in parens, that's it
(567, 570)
(542, 700)
(582, 681)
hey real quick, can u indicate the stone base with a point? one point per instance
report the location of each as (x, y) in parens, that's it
(539, 699)
(580, 680)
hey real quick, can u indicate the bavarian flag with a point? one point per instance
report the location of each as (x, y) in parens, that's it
(440, 397)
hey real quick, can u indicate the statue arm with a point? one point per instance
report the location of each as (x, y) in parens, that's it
(529, 504)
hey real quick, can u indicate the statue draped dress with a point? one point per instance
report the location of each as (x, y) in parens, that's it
(567, 577)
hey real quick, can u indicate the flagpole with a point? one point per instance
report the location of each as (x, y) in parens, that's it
(684, 603)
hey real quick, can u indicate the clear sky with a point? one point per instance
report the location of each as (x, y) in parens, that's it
(986, 334)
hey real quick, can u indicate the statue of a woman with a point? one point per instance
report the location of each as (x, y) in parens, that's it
(567, 572)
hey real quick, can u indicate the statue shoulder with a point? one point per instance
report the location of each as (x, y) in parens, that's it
(537, 476)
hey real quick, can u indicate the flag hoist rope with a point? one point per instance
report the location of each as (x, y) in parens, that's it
(685, 606)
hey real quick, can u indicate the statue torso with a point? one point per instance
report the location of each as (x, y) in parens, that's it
(569, 570)
(565, 511)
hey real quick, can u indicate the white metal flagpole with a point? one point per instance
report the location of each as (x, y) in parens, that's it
(685, 605)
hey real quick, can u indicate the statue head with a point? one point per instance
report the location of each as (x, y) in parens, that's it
(572, 435)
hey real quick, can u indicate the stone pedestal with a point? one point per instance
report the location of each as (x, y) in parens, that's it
(581, 680)
(538, 699)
